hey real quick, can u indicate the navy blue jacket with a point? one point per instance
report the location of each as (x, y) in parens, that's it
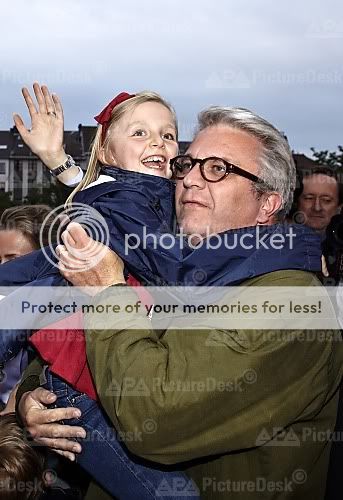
(135, 203)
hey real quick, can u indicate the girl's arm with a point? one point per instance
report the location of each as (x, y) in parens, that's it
(45, 137)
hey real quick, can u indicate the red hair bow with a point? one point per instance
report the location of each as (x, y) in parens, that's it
(104, 117)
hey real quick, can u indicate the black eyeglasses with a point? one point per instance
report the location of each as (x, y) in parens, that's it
(212, 169)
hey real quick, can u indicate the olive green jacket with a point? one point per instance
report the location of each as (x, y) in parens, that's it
(252, 417)
(248, 414)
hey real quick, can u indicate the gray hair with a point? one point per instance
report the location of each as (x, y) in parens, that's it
(276, 165)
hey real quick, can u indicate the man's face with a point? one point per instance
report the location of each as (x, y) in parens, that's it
(13, 244)
(209, 208)
(319, 200)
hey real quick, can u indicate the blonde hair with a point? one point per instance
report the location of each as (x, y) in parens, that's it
(117, 113)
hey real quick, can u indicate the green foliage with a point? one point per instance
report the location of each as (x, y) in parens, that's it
(332, 159)
(54, 196)
(5, 201)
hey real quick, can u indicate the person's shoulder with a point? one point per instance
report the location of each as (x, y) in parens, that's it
(288, 277)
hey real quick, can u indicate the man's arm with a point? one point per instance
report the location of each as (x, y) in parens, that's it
(30, 379)
(196, 393)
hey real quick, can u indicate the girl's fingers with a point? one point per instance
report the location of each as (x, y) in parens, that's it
(49, 103)
(29, 102)
(58, 105)
(40, 98)
(20, 125)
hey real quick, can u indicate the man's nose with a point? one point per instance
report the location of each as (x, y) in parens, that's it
(317, 207)
(194, 178)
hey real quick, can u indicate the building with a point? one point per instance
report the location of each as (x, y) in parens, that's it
(22, 174)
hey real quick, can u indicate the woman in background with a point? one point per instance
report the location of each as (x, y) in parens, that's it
(19, 235)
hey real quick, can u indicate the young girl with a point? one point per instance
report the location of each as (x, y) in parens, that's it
(141, 136)
(138, 132)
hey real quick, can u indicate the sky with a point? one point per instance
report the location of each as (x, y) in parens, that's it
(283, 60)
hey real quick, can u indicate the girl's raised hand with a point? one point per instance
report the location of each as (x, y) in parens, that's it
(45, 137)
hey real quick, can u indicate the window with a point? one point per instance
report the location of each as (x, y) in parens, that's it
(32, 172)
(2, 167)
(46, 181)
(18, 174)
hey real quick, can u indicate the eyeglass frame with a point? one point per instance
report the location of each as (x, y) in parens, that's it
(230, 169)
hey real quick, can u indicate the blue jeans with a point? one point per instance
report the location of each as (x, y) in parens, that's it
(107, 460)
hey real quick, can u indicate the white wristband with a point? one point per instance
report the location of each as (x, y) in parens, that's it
(76, 180)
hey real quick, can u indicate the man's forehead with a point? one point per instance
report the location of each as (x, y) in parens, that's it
(219, 152)
(225, 142)
(320, 183)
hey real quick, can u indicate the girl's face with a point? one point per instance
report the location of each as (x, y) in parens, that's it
(143, 140)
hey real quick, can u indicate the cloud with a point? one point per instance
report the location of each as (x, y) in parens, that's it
(282, 60)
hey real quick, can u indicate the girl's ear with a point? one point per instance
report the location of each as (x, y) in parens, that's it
(106, 157)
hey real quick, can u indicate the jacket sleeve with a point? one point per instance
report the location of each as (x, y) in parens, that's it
(30, 380)
(136, 233)
(27, 268)
(194, 393)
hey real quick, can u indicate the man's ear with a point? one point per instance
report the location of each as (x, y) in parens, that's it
(271, 203)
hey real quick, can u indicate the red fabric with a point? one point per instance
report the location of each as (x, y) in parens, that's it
(104, 117)
(63, 347)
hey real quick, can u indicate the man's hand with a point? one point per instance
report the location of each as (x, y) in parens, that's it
(86, 263)
(43, 424)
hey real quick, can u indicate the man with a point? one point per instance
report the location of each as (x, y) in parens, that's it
(319, 203)
(321, 198)
(229, 440)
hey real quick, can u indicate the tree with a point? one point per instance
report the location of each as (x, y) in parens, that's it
(54, 196)
(5, 201)
(332, 159)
